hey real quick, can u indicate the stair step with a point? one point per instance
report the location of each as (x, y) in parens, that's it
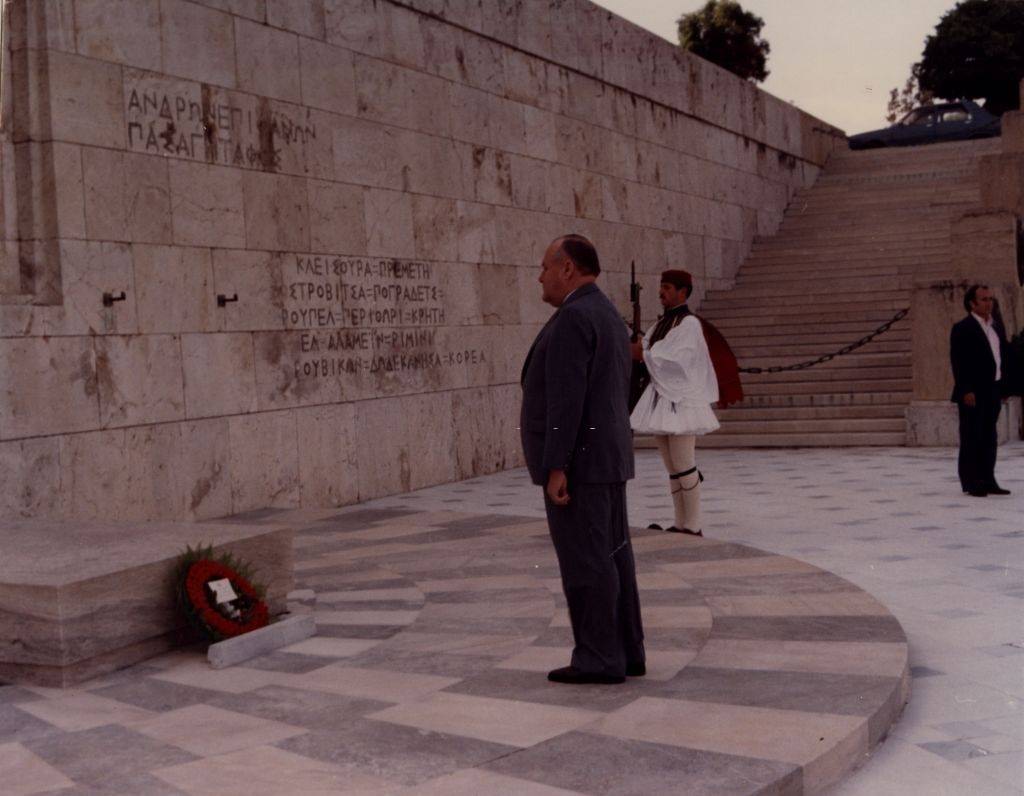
(790, 250)
(871, 318)
(828, 373)
(826, 399)
(741, 412)
(721, 299)
(748, 353)
(864, 271)
(821, 386)
(882, 309)
(815, 426)
(798, 287)
(839, 237)
(836, 331)
(795, 440)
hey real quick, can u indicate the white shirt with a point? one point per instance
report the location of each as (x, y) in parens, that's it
(993, 342)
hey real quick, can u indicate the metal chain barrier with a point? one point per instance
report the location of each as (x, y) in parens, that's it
(827, 357)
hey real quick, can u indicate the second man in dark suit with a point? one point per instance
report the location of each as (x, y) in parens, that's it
(578, 446)
(978, 354)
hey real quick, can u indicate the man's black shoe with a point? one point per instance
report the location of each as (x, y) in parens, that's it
(995, 489)
(977, 492)
(687, 531)
(570, 674)
(636, 669)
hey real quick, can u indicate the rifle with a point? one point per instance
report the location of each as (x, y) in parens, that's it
(638, 377)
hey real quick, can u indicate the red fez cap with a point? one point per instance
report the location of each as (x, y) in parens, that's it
(678, 278)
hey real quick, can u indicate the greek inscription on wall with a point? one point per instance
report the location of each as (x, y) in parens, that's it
(361, 315)
(199, 122)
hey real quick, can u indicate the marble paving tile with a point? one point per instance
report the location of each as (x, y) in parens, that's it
(439, 664)
(12, 694)
(16, 725)
(534, 688)
(739, 567)
(491, 646)
(369, 632)
(845, 694)
(399, 753)
(268, 771)
(372, 683)
(588, 763)
(23, 773)
(84, 711)
(346, 556)
(497, 720)
(822, 743)
(89, 756)
(155, 695)
(196, 671)
(655, 581)
(825, 604)
(810, 628)
(408, 593)
(331, 647)
(534, 590)
(660, 616)
(799, 583)
(475, 781)
(117, 783)
(532, 607)
(204, 730)
(312, 710)
(284, 662)
(365, 617)
(477, 584)
(662, 665)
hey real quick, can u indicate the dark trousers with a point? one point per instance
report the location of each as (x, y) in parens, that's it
(595, 556)
(978, 442)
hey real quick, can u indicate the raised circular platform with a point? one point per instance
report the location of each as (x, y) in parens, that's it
(765, 674)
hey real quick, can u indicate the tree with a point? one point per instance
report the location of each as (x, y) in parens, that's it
(977, 51)
(903, 101)
(723, 33)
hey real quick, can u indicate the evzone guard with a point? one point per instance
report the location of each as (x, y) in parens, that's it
(684, 367)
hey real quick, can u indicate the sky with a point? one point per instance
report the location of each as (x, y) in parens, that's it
(835, 59)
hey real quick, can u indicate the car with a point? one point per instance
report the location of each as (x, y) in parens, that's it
(929, 124)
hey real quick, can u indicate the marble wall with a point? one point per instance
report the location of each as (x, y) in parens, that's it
(318, 226)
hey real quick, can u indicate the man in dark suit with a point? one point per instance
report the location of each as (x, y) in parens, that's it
(578, 446)
(978, 353)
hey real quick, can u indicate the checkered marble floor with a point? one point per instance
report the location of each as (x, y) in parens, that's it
(440, 611)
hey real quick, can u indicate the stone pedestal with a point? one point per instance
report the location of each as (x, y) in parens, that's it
(935, 423)
(80, 599)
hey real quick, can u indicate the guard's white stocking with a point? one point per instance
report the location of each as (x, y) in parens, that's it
(678, 454)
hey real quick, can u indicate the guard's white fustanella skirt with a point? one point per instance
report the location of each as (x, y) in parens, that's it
(655, 414)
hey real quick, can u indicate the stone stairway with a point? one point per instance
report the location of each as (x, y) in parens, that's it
(843, 262)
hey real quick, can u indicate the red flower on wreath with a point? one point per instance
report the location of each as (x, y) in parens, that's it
(254, 613)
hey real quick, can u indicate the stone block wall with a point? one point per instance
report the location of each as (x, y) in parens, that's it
(318, 224)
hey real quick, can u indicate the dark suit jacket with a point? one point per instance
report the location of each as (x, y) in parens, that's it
(974, 367)
(575, 392)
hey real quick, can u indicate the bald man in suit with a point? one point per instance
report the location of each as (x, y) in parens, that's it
(578, 447)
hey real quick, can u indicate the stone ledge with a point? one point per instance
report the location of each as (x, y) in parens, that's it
(81, 598)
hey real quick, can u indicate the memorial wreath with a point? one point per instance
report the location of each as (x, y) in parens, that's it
(216, 594)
